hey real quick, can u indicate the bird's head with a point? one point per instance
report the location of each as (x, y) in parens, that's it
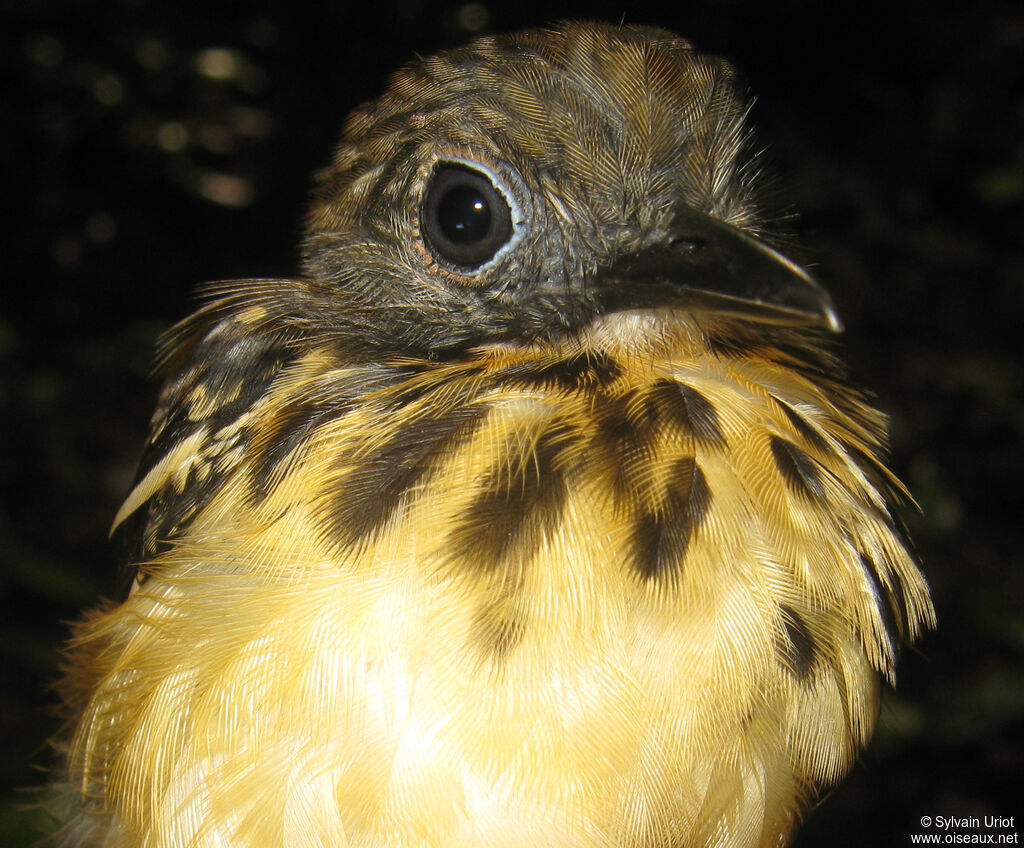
(525, 186)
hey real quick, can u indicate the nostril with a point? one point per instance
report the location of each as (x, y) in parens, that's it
(684, 246)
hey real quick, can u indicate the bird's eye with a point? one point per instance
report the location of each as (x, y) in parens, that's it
(465, 217)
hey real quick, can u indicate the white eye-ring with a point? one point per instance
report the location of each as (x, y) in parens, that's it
(469, 218)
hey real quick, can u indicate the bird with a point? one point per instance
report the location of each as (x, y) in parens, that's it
(536, 509)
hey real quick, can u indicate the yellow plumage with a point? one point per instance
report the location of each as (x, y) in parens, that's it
(623, 578)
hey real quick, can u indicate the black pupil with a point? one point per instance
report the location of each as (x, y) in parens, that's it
(465, 218)
(464, 215)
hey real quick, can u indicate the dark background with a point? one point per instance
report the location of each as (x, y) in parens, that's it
(147, 148)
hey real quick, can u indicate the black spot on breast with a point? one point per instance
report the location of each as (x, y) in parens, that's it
(519, 504)
(661, 536)
(797, 649)
(408, 392)
(890, 609)
(583, 370)
(295, 423)
(804, 427)
(700, 416)
(801, 473)
(670, 404)
(292, 427)
(496, 635)
(872, 464)
(630, 426)
(810, 360)
(612, 421)
(375, 486)
(625, 435)
(726, 345)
